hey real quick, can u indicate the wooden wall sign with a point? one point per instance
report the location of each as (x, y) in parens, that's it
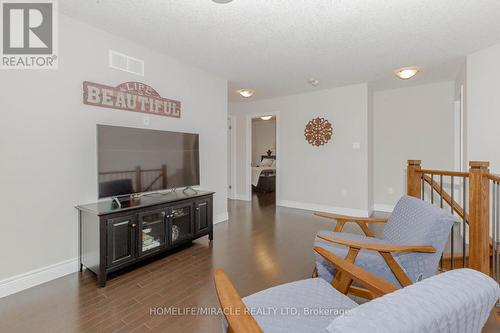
(318, 132)
(130, 96)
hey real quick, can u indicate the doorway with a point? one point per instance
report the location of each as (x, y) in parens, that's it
(231, 154)
(263, 159)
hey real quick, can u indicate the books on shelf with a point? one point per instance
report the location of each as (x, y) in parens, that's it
(149, 242)
(150, 246)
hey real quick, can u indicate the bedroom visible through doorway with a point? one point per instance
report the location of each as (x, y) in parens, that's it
(263, 159)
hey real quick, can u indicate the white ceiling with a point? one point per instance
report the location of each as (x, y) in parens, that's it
(275, 46)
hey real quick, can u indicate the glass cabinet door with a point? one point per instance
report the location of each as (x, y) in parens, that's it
(181, 218)
(152, 232)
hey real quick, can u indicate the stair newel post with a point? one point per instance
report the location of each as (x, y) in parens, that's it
(414, 178)
(479, 209)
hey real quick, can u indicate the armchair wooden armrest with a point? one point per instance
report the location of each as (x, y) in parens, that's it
(377, 286)
(237, 315)
(379, 247)
(351, 218)
(360, 221)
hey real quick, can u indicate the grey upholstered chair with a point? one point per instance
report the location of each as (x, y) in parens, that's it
(409, 250)
(458, 301)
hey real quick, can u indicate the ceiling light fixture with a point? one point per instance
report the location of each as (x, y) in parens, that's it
(222, 1)
(406, 73)
(246, 93)
(313, 82)
(266, 117)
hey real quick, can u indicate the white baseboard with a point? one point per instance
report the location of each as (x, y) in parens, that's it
(221, 217)
(33, 278)
(242, 197)
(324, 208)
(383, 208)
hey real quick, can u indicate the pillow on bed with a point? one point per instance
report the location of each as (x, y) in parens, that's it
(267, 162)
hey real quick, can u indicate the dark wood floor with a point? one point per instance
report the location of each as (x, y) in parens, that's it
(260, 247)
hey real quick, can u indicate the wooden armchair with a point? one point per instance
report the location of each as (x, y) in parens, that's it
(239, 317)
(427, 306)
(409, 249)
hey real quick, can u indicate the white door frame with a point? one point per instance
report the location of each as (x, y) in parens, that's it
(231, 192)
(248, 171)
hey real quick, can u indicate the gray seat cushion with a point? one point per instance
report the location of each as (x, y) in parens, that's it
(371, 261)
(302, 306)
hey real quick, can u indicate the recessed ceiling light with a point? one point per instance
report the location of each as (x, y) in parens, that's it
(222, 1)
(246, 93)
(313, 82)
(266, 117)
(406, 73)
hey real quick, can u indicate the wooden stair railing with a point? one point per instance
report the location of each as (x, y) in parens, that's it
(493, 177)
(449, 263)
(478, 218)
(447, 197)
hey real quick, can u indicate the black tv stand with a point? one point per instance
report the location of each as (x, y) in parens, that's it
(113, 237)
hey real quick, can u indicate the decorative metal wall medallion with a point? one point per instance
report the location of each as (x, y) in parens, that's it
(318, 131)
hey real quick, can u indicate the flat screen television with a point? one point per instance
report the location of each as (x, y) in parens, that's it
(135, 160)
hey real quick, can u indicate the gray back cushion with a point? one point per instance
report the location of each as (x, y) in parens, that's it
(416, 222)
(458, 301)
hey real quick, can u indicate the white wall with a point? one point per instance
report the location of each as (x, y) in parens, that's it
(48, 140)
(371, 150)
(332, 177)
(461, 96)
(263, 138)
(483, 107)
(410, 123)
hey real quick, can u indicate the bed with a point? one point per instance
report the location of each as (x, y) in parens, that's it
(264, 175)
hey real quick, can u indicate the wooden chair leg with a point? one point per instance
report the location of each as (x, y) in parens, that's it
(314, 273)
(361, 292)
(366, 230)
(343, 283)
(339, 226)
(396, 269)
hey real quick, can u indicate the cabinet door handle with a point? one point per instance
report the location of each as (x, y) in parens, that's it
(197, 208)
(134, 225)
(121, 223)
